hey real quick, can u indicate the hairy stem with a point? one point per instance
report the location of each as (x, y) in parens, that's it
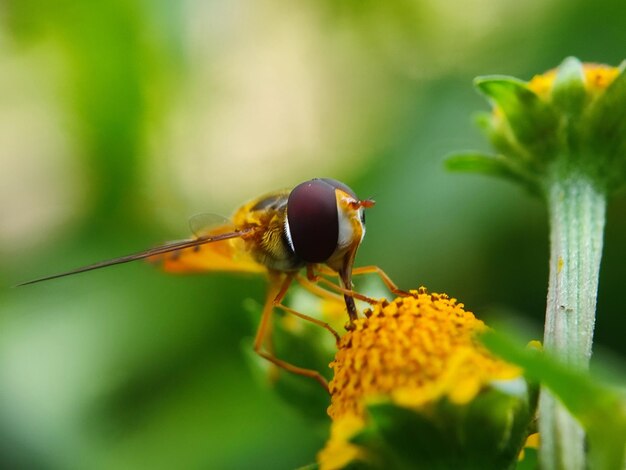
(577, 214)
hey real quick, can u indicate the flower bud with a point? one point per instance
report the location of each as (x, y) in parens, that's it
(568, 121)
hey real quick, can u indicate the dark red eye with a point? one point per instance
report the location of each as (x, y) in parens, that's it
(346, 189)
(339, 185)
(313, 219)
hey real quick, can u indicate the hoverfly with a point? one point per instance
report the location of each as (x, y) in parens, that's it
(318, 225)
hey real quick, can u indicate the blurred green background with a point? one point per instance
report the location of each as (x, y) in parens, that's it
(120, 119)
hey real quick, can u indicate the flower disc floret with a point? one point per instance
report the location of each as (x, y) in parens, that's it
(412, 351)
(421, 355)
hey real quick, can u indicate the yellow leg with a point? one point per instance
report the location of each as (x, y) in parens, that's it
(313, 288)
(317, 322)
(343, 290)
(279, 284)
(393, 288)
(314, 278)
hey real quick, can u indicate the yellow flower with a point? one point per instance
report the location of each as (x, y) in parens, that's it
(565, 125)
(338, 451)
(596, 77)
(532, 442)
(411, 352)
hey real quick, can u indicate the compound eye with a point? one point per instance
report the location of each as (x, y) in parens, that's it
(339, 185)
(313, 220)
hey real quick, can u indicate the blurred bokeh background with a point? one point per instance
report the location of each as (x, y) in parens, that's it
(120, 119)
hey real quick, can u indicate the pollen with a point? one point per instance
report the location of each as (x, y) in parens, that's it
(413, 351)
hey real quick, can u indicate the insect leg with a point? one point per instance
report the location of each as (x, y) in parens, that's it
(373, 269)
(311, 284)
(335, 287)
(278, 288)
(313, 288)
(324, 325)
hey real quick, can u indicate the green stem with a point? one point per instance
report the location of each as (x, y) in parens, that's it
(577, 214)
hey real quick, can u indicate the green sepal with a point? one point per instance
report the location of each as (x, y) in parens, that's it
(600, 408)
(570, 97)
(603, 132)
(532, 121)
(488, 432)
(499, 134)
(568, 92)
(495, 165)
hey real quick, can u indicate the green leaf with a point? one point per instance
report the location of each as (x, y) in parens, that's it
(600, 408)
(532, 120)
(495, 165)
(476, 162)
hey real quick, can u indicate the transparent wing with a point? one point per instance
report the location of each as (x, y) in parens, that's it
(230, 254)
(203, 224)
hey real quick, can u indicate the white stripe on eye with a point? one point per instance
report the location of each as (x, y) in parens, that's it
(361, 222)
(288, 234)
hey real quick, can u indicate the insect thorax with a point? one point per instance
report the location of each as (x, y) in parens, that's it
(269, 246)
